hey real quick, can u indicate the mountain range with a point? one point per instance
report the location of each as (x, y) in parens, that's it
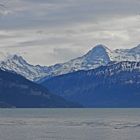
(100, 78)
(98, 56)
(16, 91)
(116, 85)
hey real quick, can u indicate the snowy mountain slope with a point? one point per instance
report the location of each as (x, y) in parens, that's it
(117, 67)
(100, 55)
(19, 65)
(96, 57)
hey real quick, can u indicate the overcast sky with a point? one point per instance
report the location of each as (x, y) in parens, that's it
(49, 31)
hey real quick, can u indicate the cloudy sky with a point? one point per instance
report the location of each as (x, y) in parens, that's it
(50, 31)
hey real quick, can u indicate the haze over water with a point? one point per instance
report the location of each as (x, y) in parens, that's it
(69, 124)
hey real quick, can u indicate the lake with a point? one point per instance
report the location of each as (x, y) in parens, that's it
(69, 124)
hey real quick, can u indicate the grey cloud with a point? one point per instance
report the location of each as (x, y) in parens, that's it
(67, 12)
(65, 53)
(58, 30)
(5, 36)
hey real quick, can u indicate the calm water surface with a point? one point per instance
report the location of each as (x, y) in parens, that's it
(69, 124)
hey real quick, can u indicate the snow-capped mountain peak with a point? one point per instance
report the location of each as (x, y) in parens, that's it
(100, 47)
(99, 55)
(17, 64)
(135, 49)
(16, 58)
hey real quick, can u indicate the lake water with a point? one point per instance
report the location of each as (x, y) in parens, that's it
(69, 124)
